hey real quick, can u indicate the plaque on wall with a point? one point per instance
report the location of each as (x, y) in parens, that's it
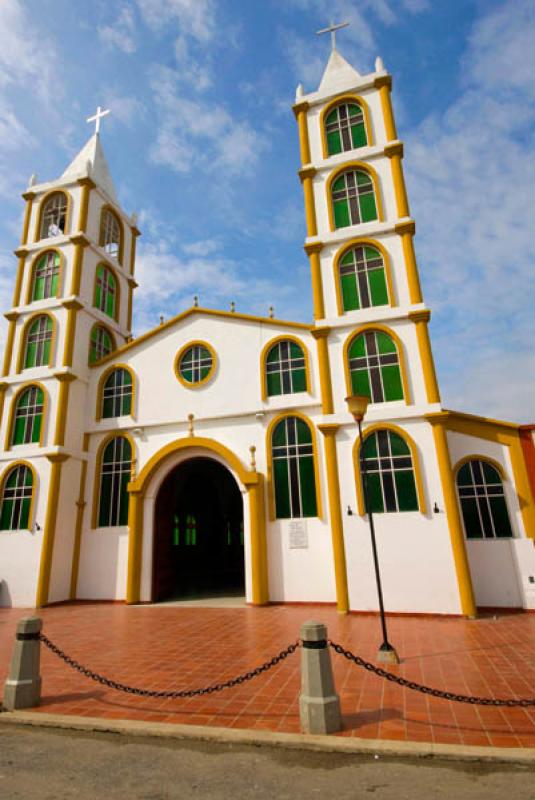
(298, 534)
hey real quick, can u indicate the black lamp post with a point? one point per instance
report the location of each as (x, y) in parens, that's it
(357, 405)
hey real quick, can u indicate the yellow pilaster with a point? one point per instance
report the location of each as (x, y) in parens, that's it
(80, 242)
(135, 234)
(260, 590)
(395, 153)
(306, 175)
(458, 545)
(300, 112)
(80, 508)
(335, 514)
(406, 231)
(29, 197)
(132, 284)
(21, 254)
(65, 380)
(384, 84)
(12, 317)
(522, 485)
(135, 544)
(3, 389)
(320, 335)
(421, 319)
(72, 307)
(87, 184)
(49, 529)
(313, 251)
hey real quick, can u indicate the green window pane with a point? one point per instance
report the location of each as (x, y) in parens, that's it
(358, 135)
(303, 433)
(360, 382)
(308, 487)
(204, 372)
(299, 380)
(491, 475)
(110, 305)
(385, 344)
(464, 477)
(105, 501)
(279, 434)
(398, 445)
(282, 495)
(357, 348)
(350, 297)
(54, 286)
(127, 404)
(295, 350)
(187, 374)
(39, 289)
(25, 514)
(341, 214)
(18, 434)
(339, 184)
(472, 524)
(375, 495)
(5, 517)
(273, 354)
(273, 384)
(31, 353)
(334, 143)
(500, 517)
(379, 291)
(46, 352)
(36, 432)
(98, 296)
(107, 408)
(368, 210)
(363, 179)
(392, 383)
(369, 448)
(332, 117)
(406, 490)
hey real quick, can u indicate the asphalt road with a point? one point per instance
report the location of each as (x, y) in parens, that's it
(48, 764)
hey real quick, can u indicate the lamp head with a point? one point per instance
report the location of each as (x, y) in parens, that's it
(357, 405)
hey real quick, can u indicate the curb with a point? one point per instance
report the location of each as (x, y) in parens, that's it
(290, 741)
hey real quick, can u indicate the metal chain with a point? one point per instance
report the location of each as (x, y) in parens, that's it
(419, 687)
(216, 687)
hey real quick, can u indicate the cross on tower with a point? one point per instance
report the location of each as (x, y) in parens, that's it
(332, 30)
(97, 117)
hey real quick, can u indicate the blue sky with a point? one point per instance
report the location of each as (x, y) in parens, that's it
(202, 143)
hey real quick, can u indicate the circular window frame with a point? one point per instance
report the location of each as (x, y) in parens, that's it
(183, 350)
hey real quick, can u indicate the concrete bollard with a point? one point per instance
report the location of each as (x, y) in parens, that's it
(319, 704)
(23, 686)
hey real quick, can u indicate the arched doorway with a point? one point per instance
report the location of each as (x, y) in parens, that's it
(198, 533)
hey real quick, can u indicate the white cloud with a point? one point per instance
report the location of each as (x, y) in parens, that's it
(202, 248)
(121, 33)
(126, 109)
(195, 18)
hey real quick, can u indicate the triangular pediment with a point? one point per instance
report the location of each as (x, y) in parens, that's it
(91, 159)
(338, 75)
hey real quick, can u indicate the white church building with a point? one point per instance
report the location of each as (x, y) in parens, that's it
(215, 454)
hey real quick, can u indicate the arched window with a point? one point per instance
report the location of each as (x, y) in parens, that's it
(482, 500)
(293, 469)
(38, 342)
(363, 278)
(54, 216)
(353, 198)
(28, 417)
(16, 499)
(114, 478)
(105, 291)
(345, 129)
(286, 369)
(117, 394)
(101, 343)
(389, 472)
(374, 367)
(110, 233)
(46, 275)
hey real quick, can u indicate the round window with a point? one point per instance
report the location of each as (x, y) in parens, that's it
(195, 363)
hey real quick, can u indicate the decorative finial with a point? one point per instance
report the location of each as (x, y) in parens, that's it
(299, 92)
(33, 180)
(271, 312)
(252, 451)
(162, 320)
(379, 64)
(232, 307)
(332, 30)
(191, 417)
(97, 117)
(195, 301)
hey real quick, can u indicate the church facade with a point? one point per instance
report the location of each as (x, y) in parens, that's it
(215, 453)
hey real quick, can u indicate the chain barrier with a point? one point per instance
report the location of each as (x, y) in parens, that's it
(419, 687)
(216, 687)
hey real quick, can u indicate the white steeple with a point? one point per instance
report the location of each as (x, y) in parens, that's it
(338, 75)
(91, 159)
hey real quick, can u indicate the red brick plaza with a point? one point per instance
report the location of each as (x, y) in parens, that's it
(179, 647)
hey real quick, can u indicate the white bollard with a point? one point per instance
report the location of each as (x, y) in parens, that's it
(319, 704)
(23, 686)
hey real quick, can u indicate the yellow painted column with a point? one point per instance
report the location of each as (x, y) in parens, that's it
(260, 590)
(29, 197)
(313, 251)
(135, 234)
(21, 254)
(80, 242)
(132, 284)
(406, 231)
(12, 317)
(384, 84)
(49, 528)
(87, 184)
(65, 380)
(135, 545)
(458, 544)
(522, 485)
(395, 153)
(80, 508)
(335, 514)
(72, 307)
(420, 319)
(300, 111)
(320, 335)
(3, 389)
(306, 175)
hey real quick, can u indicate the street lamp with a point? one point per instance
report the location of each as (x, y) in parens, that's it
(357, 405)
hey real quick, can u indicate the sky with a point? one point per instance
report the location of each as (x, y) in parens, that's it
(202, 144)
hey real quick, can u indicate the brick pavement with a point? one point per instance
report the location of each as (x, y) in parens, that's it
(173, 647)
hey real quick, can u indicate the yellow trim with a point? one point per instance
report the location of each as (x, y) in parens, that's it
(302, 126)
(117, 308)
(5, 475)
(129, 310)
(100, 389)
(326, 388)
(111, 210)
(70, 333)
(335, 513)
(409, 441)
(10, 339)
(420, 319)
(263, 364)
(47, 549)
(384, 84)
(135, 233)
(310, 205)
(19, 279)
(259, 573)
(313, 250)
(3, 388)
(350, 166)
(65, 380)
(455, 524)
(29, 197)
(180, 354)
(363, 242)
(478, 457)
(345, 98)
(13, 407)
(269, 457)
(24, 332)
(113, 341)
(80, 508)
(76, 274)
(413, 279)
(400, 189)
(98, 469)
(43, 201)
(87, 184)
(372, 326)
(33, 267)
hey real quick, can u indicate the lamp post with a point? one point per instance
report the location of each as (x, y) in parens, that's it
(357, 405)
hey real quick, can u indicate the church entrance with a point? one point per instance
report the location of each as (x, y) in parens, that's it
(198, 533)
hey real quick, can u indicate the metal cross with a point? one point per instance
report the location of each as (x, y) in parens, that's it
(97, 117)
(332, 30)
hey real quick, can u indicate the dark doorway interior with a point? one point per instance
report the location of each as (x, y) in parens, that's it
(198, 533)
